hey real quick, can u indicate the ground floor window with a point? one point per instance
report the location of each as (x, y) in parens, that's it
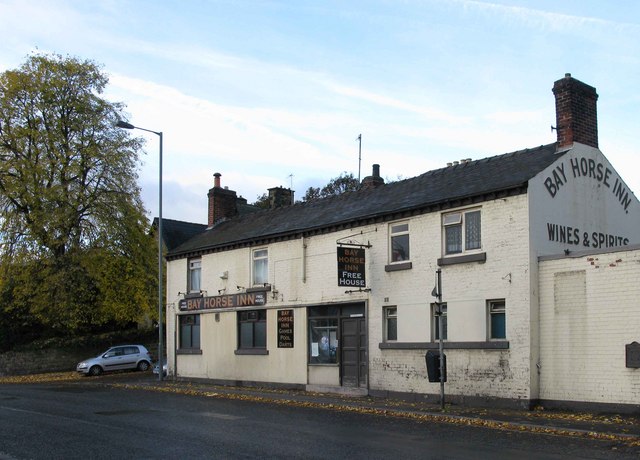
(497, 319)
(390, 324)
(323, 334)
(189, 331)
(438, 310)
(324, 331)
(252, 329)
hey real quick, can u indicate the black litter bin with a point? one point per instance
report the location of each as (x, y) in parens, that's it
(433, 365)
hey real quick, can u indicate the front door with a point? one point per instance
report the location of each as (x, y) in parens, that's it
(353, 352)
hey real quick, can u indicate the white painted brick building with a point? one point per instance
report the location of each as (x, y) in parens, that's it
(337, 293)
(589, 314)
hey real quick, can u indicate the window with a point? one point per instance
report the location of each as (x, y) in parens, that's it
(252, 329)
(390, 324)
(462, 231)
(324, 340)
(497, 319)
(435, 324)
(399, 242)
(323, 335)
(131, 350)
(194, 275)
(260, 266)
(189, 331)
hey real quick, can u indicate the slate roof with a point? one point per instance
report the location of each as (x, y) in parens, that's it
(176, 232)
(468, 182)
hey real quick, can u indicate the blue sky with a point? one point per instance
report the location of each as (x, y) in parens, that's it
(275, 93)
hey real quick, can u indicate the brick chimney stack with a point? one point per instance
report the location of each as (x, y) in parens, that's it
(222, 202)
(374, 180)
(576, 112)
(280, 196)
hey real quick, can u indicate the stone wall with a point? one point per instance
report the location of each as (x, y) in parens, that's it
(38, 361)
(27, 362)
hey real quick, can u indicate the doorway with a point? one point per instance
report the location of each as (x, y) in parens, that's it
(353, 352)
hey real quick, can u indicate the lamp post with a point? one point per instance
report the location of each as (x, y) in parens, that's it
(125, 125)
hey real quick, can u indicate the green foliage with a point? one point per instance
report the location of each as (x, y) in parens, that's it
(345, 182)
(75, 249)
(100, 341)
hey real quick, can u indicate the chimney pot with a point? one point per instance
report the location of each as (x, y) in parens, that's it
(222, 202)
(374, 180)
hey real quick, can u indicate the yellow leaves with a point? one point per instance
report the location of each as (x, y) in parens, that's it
(41, 378)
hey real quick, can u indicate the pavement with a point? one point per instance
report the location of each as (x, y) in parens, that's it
(622, 429)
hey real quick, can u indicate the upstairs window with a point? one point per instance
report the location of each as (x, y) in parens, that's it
(194, 275)
(462, 231)
(399, 242)
(260, 266)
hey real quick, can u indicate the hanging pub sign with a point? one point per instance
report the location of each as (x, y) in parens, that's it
(351, 267)
(248, 299)
(285, 328)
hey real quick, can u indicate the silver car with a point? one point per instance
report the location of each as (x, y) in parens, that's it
(117, 358)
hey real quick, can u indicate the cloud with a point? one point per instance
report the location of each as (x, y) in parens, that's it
(537, 18)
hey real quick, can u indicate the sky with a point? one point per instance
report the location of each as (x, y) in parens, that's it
(276, 92)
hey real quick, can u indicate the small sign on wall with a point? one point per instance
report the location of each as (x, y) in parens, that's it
(285, 328)
(633, 355)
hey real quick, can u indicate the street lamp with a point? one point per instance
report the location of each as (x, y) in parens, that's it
(125, 125)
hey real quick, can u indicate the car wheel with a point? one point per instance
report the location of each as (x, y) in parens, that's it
(95, 370)
(143, 366)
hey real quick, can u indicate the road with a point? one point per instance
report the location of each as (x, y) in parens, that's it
(83, 420)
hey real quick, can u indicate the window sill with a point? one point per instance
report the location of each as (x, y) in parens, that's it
(480, 257)
(259, 288)
(489, 345)
(397, 267)
(189, 351)
(251, 351)
(193, 295)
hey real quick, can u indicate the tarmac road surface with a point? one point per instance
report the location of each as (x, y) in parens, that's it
(130, 416)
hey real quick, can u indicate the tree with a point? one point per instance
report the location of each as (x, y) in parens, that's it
(72, 225)
(345, 182)
(262, 201)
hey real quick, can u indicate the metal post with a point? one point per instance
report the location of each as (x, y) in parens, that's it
(441, 343)
(160, 277)
(126, 125)
(359, 154)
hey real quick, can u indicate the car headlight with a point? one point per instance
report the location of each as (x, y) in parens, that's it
(82, 365)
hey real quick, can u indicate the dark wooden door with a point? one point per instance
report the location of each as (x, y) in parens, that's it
(353, 352)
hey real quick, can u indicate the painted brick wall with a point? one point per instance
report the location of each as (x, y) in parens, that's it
(466, 288)
(589, 311)
(303, 272)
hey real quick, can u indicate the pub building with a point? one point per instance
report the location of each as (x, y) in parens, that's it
(337, 294)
